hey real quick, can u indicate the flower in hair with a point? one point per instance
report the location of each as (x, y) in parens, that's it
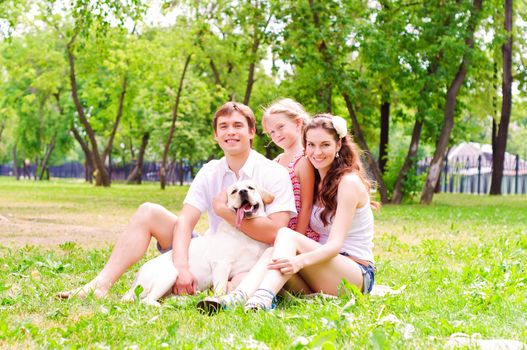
(340, 126)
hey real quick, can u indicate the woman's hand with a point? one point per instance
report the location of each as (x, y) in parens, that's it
(286, 266)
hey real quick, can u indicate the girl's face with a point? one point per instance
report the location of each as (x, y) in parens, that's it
(321, 149)
(284, 131)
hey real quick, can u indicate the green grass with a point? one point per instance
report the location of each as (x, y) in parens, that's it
(462, 261)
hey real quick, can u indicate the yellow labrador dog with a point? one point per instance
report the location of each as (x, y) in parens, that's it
(213, 258)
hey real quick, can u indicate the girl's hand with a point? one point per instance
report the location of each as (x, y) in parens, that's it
(286, 266)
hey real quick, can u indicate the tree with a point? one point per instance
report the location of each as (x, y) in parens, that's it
(93, 21)
(450, 108)
(175, 109)
(499, 144)
(324, 67)
(34, 74)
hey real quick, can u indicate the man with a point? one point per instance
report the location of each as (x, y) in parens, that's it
(234, 129)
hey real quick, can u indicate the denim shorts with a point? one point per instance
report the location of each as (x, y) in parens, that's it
(163, 251)
(368, 275)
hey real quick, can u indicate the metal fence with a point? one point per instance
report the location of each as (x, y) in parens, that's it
(474, 175)
(176, 172)
(459, 174)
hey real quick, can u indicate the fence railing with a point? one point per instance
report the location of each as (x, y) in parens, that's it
(459, 175)
(176, 172)
(474, 175)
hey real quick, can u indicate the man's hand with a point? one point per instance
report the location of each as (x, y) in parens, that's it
(219, 202)
(186, 283)
(286, 266)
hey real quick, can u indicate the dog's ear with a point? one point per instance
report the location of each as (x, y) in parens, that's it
(266, 196)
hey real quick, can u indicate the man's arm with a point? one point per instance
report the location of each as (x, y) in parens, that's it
(263, 229)
(187, 220)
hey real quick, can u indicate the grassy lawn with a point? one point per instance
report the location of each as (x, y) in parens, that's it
(461, 263)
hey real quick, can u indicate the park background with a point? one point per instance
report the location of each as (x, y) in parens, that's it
(114, 84)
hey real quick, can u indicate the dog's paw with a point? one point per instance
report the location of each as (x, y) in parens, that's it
(83, 292)
(150, 302)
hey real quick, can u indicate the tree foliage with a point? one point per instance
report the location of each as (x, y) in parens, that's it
(97, 79)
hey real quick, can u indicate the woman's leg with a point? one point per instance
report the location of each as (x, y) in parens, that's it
(324, 277)
(150, 220)
(296, 285)
(253, 279)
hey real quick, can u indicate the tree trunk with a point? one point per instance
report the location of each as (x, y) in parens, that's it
(359, 137)
(99, 177)
(103, 177)
(409, 161)
(181, 173)
(2, 127)
(252, 66)
(324, 94)
(385, 129)
(448, 120)
(109, 145)
(250, 83)
(254, 53)
(47, 155)
(89, 165)
(136, 176)
(411, 155)
(494, 137)
(162, 171)
(498, 149)
(132, 148)
(215, 72)
(15, 164)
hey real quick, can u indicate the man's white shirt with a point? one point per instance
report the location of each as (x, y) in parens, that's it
(216, 176)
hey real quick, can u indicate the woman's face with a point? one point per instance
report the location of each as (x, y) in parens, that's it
(321, 149)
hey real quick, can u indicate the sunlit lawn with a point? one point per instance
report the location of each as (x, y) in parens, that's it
(460, 263)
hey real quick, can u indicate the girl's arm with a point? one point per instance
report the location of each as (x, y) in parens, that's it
(352, 194)
(305, 173)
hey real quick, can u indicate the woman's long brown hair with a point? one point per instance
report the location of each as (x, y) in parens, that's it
(347, 162)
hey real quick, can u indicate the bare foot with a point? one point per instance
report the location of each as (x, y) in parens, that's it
(97, 289)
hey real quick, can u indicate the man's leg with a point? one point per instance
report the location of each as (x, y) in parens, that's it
(150, 220)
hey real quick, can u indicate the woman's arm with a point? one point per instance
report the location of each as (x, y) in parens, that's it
(305, 173)
(352, 194)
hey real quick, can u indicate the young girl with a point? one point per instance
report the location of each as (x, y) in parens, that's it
(341, 214)
(284, 121)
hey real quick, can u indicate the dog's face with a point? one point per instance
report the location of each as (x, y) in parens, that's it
(247, 200)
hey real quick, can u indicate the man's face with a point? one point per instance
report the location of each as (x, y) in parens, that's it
(233, 134)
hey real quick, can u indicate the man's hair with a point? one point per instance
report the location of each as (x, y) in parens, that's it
(229, 108)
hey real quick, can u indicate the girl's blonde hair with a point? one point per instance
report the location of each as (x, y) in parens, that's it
(289, 107)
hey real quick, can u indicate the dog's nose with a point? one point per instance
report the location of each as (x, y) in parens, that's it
(243, 193)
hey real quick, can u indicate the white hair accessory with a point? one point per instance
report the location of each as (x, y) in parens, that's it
(340, 126)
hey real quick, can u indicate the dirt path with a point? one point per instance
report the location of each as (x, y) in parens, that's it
(53, 228)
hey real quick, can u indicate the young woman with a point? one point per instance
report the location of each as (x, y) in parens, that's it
(341, 214)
